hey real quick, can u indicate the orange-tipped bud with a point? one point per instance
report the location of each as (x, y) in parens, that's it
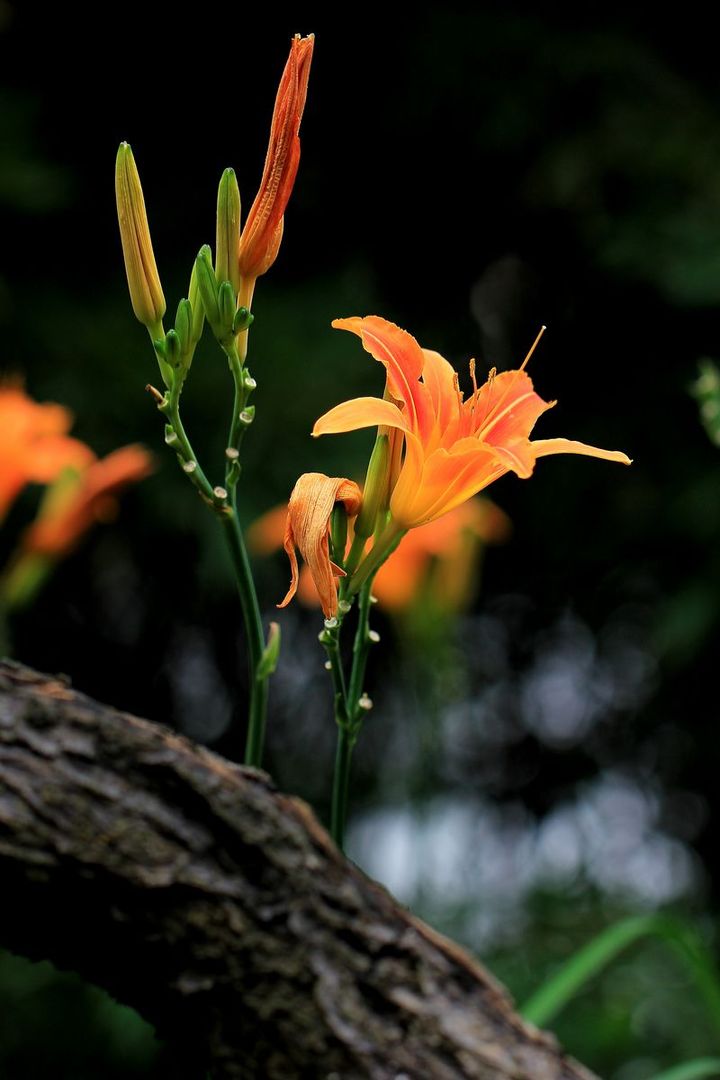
(308, 527)
(261, 236)
(146, 292)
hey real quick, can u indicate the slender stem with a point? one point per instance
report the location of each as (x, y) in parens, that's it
(361, 651)
(348, 711)
(183, 448)
(255, 641)
(383, 547)
(341, 785)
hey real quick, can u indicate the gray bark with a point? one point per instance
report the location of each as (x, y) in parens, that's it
(218, 907)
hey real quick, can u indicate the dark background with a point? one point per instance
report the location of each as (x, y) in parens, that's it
(469, 176)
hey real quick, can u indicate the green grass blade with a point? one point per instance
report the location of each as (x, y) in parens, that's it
(692, 1070)
(547, 1002)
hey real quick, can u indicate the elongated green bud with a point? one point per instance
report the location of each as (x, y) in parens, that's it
(198, 311)
(146, 292)
(228, 231)
(376, 483)
(207, 285)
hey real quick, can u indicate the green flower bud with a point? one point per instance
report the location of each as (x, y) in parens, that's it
(228, 231)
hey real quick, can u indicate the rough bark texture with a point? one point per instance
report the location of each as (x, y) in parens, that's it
(218, 907)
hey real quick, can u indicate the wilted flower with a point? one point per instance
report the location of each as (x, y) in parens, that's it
(308, 528)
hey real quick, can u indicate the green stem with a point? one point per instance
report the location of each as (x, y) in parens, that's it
(382, 549)
(348, 711)
(341, 785)
(255, 641)
(182, 447)
(361, 651)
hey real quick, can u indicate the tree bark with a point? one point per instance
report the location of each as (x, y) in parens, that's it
(220, 909)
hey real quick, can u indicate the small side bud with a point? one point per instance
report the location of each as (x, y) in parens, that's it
(247, 415)
(228, 231)
(183, 325)
(243, 320)
(226, 307)
(173, 349)
(146, 292)
(271, 653)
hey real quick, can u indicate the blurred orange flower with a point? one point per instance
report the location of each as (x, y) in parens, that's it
(262, 233)
(82, 498)
(34, 444)
(453, 448)
(79, 498)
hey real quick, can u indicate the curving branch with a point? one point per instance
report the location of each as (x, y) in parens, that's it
(219, 908)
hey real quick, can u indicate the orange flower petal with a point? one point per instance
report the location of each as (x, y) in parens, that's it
(448, 478)
(360, 413)
(403, 360)
(308, 528)
(543, 447)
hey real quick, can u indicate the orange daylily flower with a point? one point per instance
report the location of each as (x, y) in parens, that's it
(453, 448)
(308, 528)
(34, 444)
(262, 233)
(85, 498)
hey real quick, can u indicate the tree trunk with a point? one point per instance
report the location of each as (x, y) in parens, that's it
(220, 909)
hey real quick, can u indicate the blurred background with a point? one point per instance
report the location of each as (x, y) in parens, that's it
(546, 762)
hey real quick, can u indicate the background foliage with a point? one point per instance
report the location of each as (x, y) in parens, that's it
(469, 176)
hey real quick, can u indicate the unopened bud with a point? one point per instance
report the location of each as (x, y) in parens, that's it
(376, 483)
(247, 415)
(207, 285)
(173, 349)
(373, 636)
(146, 293)
(220, 493)
(228, 231)
(198, 311)
(364, 702)
(183, 325)
(226, 307)
(189, 466)
(243, 320)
